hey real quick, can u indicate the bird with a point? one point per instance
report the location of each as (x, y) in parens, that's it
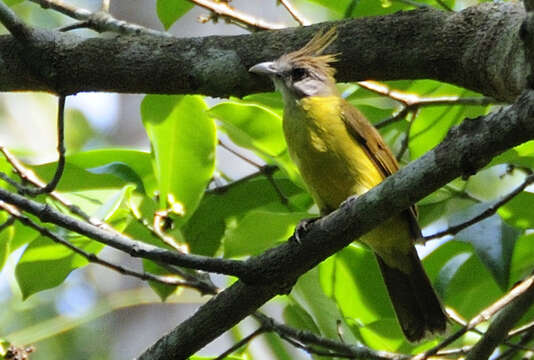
(340, 155)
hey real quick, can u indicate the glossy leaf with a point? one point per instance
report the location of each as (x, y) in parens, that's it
(466, 285)
(259, 230)
(518, 211)
(122, 171)
(521, 155)
(6, 236)
(183, 141)
(163, 290)
(138, 161)
(171, 10)
(523, 258)
(251, 126)
(45, 264)
(308, 294)
(13, 2)
(493, 241)
(204, 231)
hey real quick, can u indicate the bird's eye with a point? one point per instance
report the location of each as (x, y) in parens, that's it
(298, 74)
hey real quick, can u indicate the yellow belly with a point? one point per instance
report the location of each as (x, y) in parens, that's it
(335, 166)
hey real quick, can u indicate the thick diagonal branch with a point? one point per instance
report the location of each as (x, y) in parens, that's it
(478, 48)
(466, 149)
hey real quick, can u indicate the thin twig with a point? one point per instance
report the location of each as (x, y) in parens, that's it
(510, 312)
(100, 21)
(121, 242)
(406, 139)
(34, 191)
(266, 170)
(445, 6)
(242, 342)
(29, 176)
(223, 9)
(75, 26)
(13, 23)
(525, 328)
(412, 102)
(523, 341)
(303, 338)
(167, 280)
(156, 232)
(10, 220)
(484, 315)
(194, 277)
(492, 209)
(294, 13)
(239, 155)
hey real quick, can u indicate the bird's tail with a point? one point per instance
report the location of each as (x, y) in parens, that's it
(416, 304)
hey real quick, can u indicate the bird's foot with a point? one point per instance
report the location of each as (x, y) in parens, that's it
(302, 228)
(349, 201)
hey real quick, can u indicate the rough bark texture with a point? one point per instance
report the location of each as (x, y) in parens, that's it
(478, 48)
(466, 149)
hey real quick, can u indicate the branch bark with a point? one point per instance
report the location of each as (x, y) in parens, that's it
(478, 48)
(467, 148)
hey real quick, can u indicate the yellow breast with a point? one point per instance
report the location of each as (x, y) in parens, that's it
(331, 161)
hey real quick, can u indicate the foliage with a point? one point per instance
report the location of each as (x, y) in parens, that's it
(344, 294)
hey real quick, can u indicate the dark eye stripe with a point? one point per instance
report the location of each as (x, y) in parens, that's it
(298, 74)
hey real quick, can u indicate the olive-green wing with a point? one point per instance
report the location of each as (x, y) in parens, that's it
(371, 140)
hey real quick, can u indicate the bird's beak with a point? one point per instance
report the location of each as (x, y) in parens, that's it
(265, 68)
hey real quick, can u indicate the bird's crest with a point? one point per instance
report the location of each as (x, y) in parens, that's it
(311, 54)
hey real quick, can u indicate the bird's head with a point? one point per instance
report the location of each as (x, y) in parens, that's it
(305, 72)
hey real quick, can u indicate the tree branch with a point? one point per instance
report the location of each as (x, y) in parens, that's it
(99, 21)
(135, 248)
(504, 321)
(167, 280)
(466, 149)
(478, 48)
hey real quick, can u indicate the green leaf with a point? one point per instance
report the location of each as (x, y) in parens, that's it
(259, 230)
(271, 100)
(433, 123)
(12, 2)
(171, 10)
(466, 285)
(162, 290)
(308, 294)
(183, 140)
(523, 258)
(339, 6)
(360, 297)
(448, 272)
(493, 241)
(375, 7)
(138, 161)
(205, 229)
(518, 211)
(45, 264)
(521, 155)
(295, 316)
(122, 171)
(251, 126)
(6, 236)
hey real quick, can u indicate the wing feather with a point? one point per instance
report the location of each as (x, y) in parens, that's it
(371, 140)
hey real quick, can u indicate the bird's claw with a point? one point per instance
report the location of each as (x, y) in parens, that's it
(302, 228)
(348, 201)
